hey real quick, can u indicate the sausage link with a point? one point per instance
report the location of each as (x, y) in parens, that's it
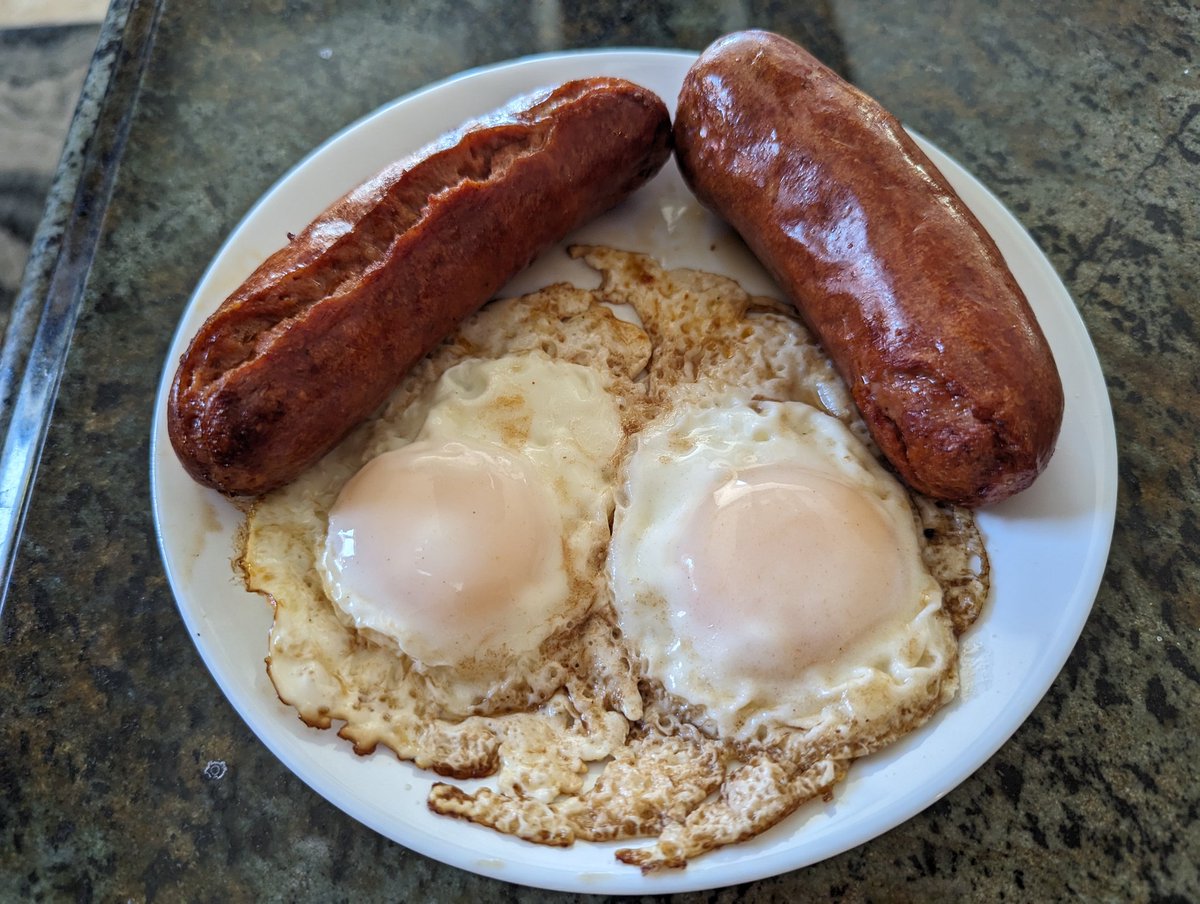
(319, 335)
(896, 277)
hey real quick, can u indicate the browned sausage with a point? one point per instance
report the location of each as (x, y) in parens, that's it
(906, 291)
(320, 334)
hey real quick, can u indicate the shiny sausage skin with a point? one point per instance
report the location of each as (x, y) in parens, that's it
(320, 334)
(896, 277)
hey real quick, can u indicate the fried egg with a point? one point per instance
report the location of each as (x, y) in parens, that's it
(468, 546)
(768, 569)
(643, 573)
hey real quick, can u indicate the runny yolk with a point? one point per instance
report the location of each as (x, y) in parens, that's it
(784, 567)
(445, 547)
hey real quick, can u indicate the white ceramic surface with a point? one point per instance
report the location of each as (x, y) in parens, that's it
(1048, 545)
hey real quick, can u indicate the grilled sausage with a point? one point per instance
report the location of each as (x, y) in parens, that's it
(319, 335)
(896, 277)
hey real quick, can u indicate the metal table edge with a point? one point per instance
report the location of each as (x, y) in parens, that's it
(37, 340)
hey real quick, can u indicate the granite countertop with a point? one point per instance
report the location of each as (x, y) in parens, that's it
(124, 773)
(41, 71)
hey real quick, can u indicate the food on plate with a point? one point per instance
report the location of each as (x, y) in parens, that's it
(319, 335)
(717, 497)
(602, 682)
(898, 280)
(472, 544)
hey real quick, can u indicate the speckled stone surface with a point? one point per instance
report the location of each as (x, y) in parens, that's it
(41, 72)
(1084, 118)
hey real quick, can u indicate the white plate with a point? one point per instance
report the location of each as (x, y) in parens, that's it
(1048, 545)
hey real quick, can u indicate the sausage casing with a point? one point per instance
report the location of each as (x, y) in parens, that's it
(318, 336)
(896, 277)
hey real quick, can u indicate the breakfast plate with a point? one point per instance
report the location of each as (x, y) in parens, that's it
(1048, 545)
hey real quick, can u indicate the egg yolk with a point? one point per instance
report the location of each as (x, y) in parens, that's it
(453, 550)
(794, 564)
